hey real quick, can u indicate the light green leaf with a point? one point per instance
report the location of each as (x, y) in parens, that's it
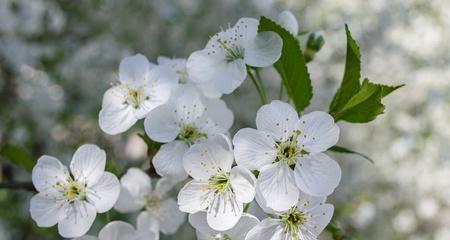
(291, 66)
(18, 156)
(354, 102)
(340, 149)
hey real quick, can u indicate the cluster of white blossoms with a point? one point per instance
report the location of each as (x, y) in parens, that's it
(280, 165)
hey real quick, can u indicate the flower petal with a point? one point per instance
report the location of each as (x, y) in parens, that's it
(253, 149)
(134, 69)
(80, 216)
(104, 194)
(161, 124)
(219, 113)
(319, 218)
(168, 161)
(224, 212)
(317, 175)
(135, 185)
(267, 229)
(243, 226)
(277, 186)
(243, 183)
(117, 230)
(147, 222)
(116, 115)
(288, 21)
(318, 131)
(307, 202)
(198, 221)
(263, 50)
(45, 210)
(88, 164)
(163, 186)
(277, 118)
(205, 159)
(230, 75)
(169, 216)
(47, 172)
(86, 237)
(193, 197)
(189, 106)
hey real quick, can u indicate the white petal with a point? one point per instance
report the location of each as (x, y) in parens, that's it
(88, 164)
(168, 161)
(79, 219)
(318, 131)
(243, 183)
(264, 50)
(278, 118)
(277, 186)
(288, 21)
(224, 212)
(134, 69)
(243, 226)
(202, 65)
(320, 217)
(169, 216)
(198, 221)
(189, 106)
(267, 229)
(116, 115)
(253, 149)
(147, 222)
(136, 184)
(193, 197)
(245, 29)
(86, 237)
(229, 75)
(218, 112)
(47, 172)
(205, 159)
(208, 89)
(163, 186)
(45, 210)
(307, 202)
(104, 193)
(161, 124)
(117, 230)
(317, 175)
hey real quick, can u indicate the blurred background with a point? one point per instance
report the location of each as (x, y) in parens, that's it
(57, 58)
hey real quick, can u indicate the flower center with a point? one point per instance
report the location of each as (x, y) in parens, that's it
(234, 51)
(73, 190)
(135, 96)
(293, 220)
(219, 183)
(183, 76)
(289, 150)
(152, 202)
(189, 133)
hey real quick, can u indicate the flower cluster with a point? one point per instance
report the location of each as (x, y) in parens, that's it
(280, 165)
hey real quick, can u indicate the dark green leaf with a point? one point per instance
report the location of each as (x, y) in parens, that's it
(354, 102)
(340, 149)
(18, 156)
(291, 66)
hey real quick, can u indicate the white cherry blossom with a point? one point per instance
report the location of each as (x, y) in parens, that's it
(73, 200)
(137, 194)
(140, 89)
(178, 65)
(238, 232)
(303, 221)
(216, 187)
(118, 230)
(186, 120)
(288, 153)
(224, 59)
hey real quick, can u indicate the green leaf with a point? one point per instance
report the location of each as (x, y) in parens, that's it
(18, 156)
(340, 149)
(354, 102)
(291, 66)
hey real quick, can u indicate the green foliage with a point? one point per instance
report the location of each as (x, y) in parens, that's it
(354, 102)
(291, 66)
(340, 149)
(18, 156)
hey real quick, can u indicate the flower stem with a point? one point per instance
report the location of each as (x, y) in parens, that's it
(247, 206)
(258, 85)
